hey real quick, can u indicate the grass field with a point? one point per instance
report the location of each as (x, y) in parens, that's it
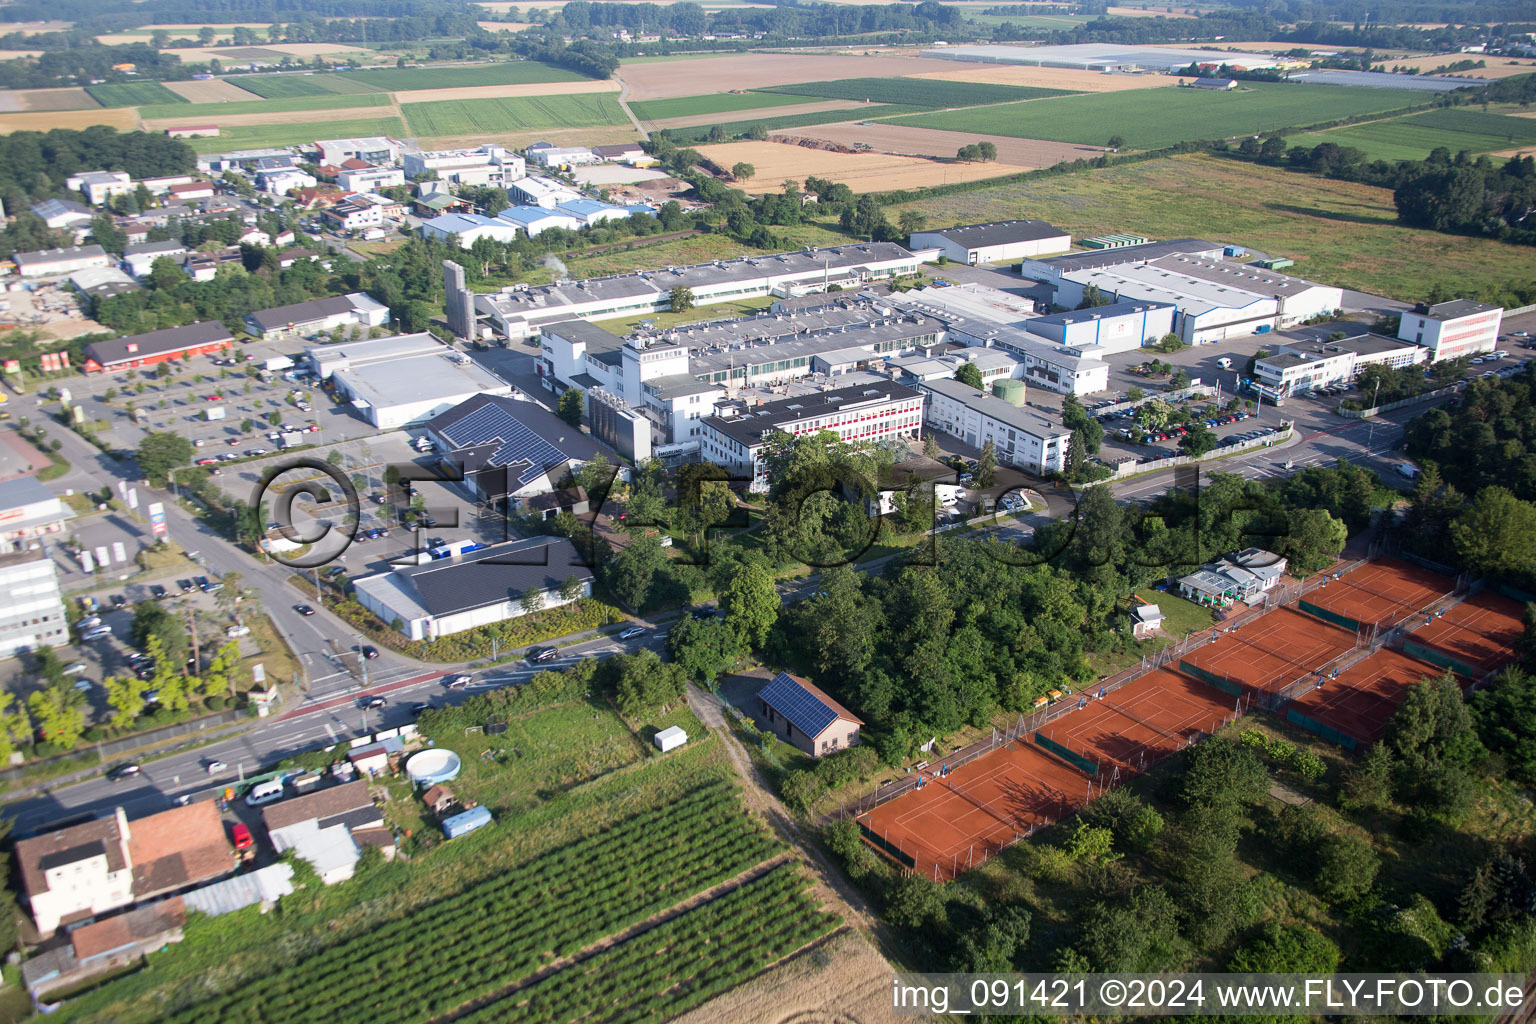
(281, 86)
(519, 72)
(1415, 136)
(1338, 232)
(714, 103)
(732, 128)
(1153, 119)
(263, 135)
(917, 92)
(132, 94)
(289, 104)
(493, 116)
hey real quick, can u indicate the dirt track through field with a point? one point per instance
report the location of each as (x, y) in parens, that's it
(487, 92)
(158, 124)
(124, 119)
(1047, 78)
(216, 91)
(666, 79)
(754, 113)
(863, 172)
(904, 141)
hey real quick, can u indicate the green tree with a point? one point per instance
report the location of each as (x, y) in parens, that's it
(13, 726)
(153, 623)
(1313, 539)
(970, 374)
(532, 600)
(1169, 343)
(703, 648)
(743, 170)
(1286, 949)
(630, 573)
(646, 684)
(1092, 844)
(931, 447)
(160, 452)
(1433, 726)
(125, 696)
(572, 406)
(1346, 867)
(911, 221)
(1116, 142)
(915, 902)
(751, 604)
(571, 588)
(1496, 534)
(986, 465)
(1200, 440)
(680, 299)
(57, 710)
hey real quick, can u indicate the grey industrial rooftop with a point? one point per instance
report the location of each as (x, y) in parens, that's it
(594, 337)
(171, 339)
(73, 252)
(1026, 418)
(1239, 275)
(1093, 259)
(1364, 344)
(998, 232)
(435, 376)
(1077, 316)
(751, 427)
(492, 575)
(308, 312)
(1454, 309)
(893, 328)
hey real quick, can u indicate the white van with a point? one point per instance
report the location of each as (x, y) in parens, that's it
(1225, 362)
(1408, 470)
(265, 793)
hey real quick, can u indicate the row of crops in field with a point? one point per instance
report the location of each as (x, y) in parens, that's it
(511, 114)
(490, 935)
(916, 92)
(713, 103)
(329, 101)
(690, 959)
(280, 86)
(257, 136)
(132, 94)
(517, 72)
(734, 128)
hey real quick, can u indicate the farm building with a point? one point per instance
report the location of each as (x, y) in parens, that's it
(157, 346)
(800, 713)
(1023, 437)
(193, 131)
(737, 436)
(994, 242)
(307, 319)
(509, 448)
(1118, 327)
(73, 874)
(47, 262)
(522, 312)
(404, 379)
(1451, 329)
(1215, 84)
(374, 150)
(444, 596)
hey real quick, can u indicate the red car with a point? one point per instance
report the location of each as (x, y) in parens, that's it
(241, 836)
(213, 398)
(206, 462)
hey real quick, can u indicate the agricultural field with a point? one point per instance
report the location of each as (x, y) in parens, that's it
(53, 99)
(124, 119)
(862, 172)
(280, 86)
(771, 124)
(132, 94)
(215, 91)
(884, 137)
(713, 103)
(1153, 120)
(1069, 79)
(330, 101)
(602, 859)
(519, 72)
(264, 135)
(1338, 232)
(668, 78)
(1414, 137)
(498, 116)
(917, 92)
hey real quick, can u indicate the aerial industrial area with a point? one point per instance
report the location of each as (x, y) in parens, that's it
(723, 513)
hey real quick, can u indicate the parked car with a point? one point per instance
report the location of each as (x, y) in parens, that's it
(537, 655)
(265, 793)
(157, 592)
(97, 633)
(240, 836)
(77, 669)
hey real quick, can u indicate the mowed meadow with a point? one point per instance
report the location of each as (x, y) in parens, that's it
(1338, 232)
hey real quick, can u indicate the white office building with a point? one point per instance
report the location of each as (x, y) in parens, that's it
(99, 186)
(376, 149)
(1454, 329)
(1023, 437)
(491, 165)
(543, 192)
(1299, 365)
(369, 179)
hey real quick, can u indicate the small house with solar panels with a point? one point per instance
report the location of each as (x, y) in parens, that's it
(511, 449)
(799, 713)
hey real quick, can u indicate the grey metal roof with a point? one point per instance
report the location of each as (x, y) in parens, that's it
(145, 248)
(594, 337)
(24, 490)
(1026, 418)
(171, 339)
(1238, 275)
(999, 232)
(1093, 259)
(750, 427)
(73, 252)
(493, 575)
(300, 312)
(900, 329)
(1451, 310)
(1077, 316)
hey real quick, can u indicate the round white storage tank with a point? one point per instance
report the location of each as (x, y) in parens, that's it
(429, 767)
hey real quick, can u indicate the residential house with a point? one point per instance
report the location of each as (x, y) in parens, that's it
(804, 716)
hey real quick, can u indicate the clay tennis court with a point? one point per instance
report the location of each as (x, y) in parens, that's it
(1144, 721)
(1479, 634)
(978, 809)
(1403, 582)
(1359, 702)
(1271, 651)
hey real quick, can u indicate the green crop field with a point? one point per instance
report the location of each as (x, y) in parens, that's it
(1338, 232)
(917, 92)
(280, 86)
(258, 136)
(1155, 118)
(1414, 137)
(733, 128)
(132, 94)
(496, 116)
(715, 103)
(328, 101)
(519, 72)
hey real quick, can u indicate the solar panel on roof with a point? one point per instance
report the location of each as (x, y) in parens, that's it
(519, 443)
(799, 707)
